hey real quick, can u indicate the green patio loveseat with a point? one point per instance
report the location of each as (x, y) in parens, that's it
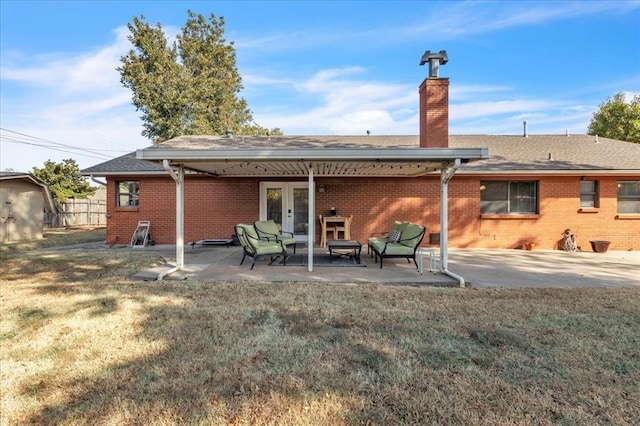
(269, 230)
(377, 237)
(254, 247)
(399, 244)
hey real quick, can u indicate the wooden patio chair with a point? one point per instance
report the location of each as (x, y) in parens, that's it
(345, 228)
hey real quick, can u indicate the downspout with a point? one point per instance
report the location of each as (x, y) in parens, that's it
(446, 173)
(311, 219)
(179, 179)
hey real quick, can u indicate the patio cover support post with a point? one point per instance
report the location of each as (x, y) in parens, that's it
(311, 218)
(178, 177)
(446, 173)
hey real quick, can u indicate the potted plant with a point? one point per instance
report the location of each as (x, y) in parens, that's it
(600, 246)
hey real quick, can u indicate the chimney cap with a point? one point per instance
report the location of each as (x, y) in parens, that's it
(435, 60)
(442, 56)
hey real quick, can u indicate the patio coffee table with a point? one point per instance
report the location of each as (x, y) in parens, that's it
(354, 247)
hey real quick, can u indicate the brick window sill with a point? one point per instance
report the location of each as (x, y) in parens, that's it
(127, 209)
(589, 210)
(628, 217)
(510, 216)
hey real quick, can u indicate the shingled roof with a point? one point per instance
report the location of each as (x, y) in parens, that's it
(507, 154)
(125, 164)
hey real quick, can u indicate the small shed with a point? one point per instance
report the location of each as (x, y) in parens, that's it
(23, 202)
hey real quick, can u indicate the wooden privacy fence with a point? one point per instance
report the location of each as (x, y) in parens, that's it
(78, 212)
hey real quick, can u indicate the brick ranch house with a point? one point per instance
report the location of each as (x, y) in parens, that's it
(528, 190)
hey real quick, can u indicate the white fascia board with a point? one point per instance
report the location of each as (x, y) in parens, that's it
(320, 154)
(125, 173)
(572, 172)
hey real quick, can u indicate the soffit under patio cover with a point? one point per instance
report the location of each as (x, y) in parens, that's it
(292, 156)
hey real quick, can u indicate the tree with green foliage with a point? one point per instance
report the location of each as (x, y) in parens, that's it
(64, 180)
(187, 87)
(617, 119)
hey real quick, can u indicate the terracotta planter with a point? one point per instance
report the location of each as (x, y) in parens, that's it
(600, 246)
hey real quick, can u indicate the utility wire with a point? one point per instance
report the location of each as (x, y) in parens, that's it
(102, 157)
(57, 146)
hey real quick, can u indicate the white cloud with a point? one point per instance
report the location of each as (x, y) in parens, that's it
(75, 100)
(447, 21)
(344, 101)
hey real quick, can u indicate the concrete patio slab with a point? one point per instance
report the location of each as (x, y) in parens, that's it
(479, 267)
(546, 268)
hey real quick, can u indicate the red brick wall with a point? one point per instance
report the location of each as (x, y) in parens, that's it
(434, 113)
(214, 205)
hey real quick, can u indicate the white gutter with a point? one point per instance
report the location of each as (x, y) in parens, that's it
(446, 174)
(179, 179)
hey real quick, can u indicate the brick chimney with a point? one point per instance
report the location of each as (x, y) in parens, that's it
(434, 103)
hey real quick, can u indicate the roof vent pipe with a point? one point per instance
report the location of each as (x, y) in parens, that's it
(434, 59)
(524, 124)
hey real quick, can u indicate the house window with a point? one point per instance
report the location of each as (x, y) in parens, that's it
(629, 197)
(509, 197)
(589, 193)
(127, 193)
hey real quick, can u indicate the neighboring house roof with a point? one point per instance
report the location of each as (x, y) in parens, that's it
(507, 154)
(29, 178)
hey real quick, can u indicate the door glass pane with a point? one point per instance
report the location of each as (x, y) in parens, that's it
(300, 211)
(274, 205)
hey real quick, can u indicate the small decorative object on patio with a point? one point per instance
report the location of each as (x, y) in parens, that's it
(569, 241)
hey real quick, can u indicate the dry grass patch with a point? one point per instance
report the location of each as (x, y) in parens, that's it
(54, 237)
(107, 350)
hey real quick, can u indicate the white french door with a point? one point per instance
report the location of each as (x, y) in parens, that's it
(287, 204)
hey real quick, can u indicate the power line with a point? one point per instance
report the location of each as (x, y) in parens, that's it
(103, 156)
(57, 146)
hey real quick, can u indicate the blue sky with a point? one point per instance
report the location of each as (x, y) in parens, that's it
(318, 67)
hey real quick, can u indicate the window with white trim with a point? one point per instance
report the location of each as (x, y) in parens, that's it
(509, 197)
(629, 197)
(127, 192)
(589, 194)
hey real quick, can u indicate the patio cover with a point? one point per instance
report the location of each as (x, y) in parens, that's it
(292, 156)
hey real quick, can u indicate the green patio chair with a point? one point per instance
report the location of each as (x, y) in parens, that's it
(405, 247)
(395, 232)
(254, 247)
(268, 230)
